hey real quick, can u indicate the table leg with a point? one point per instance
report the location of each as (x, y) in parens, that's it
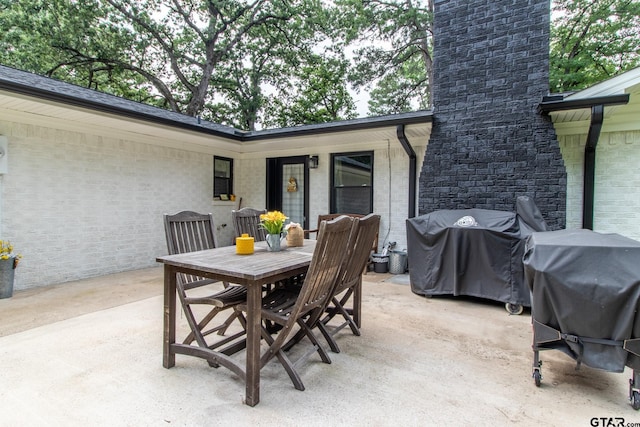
(254, 301)
(169, 338)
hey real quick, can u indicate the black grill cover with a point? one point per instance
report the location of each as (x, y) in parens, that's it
(587, 285)
(475, 252)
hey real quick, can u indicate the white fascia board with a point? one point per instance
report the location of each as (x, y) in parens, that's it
(614, 86)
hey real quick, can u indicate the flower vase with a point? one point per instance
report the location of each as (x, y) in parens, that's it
(273, 242)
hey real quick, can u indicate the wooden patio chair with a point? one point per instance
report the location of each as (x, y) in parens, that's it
(289, 308)
(349, 283)
(247, 220)
(329, 217)
(189, 231)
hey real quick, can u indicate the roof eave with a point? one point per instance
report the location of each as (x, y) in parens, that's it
(417, 117)
(558, 103)
(205, 127)
(110, 109)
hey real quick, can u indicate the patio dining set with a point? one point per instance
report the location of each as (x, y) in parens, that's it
(582, 288)
(272, 301)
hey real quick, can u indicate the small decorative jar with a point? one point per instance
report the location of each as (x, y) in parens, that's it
(244, 244)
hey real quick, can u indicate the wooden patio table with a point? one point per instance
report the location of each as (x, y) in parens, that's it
(252, 271)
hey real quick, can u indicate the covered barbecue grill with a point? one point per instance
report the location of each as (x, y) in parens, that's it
(585, 290)
(474, 252)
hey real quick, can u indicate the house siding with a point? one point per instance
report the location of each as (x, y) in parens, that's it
(617, 180)
(391, 197)
(390, 183)
(78, 205)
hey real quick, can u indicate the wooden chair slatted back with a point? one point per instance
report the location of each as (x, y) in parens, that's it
(359, 251)
(189, 231)
(247, 220)
(329, 217)
(349, 282)
(328, 256)
(330, 250)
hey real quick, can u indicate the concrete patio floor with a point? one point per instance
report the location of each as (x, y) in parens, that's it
(90, 353)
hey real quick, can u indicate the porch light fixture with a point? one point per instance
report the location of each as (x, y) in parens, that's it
(313, 162)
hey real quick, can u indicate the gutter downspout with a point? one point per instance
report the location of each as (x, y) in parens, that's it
(412, 168)
(588, 187)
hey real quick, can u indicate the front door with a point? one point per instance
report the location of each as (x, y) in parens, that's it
(288, 187)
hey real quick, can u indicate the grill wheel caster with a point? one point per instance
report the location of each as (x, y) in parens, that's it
(634, 394)
(635, 400)
(514, 309)
(537, 377)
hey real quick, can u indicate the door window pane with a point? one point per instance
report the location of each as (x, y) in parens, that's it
(352, 183)
(293, 192)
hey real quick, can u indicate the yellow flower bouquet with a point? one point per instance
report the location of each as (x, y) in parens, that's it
(273, 222)
(6, 252)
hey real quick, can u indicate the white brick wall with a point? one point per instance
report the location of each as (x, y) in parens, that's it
(617, 182)
(319, 189)
(250, 175)
(82, 204)
(390, 198)
(572, 148)
(78, 205)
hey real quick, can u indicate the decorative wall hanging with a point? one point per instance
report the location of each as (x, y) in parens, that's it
(292, 185)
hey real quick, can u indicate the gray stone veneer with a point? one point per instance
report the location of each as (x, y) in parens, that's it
(489, 144)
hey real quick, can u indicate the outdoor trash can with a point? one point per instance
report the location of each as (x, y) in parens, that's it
(380, 263)
(397, 262)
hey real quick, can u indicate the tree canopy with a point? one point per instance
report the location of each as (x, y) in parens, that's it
(393, 51)
(592, 41)
(263, 63)
(200, 58)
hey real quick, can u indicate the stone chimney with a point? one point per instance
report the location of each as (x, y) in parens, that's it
(489, 144)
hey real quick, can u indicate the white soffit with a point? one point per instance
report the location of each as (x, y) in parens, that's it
(417, 134)
(47, 113)
(40, 112)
